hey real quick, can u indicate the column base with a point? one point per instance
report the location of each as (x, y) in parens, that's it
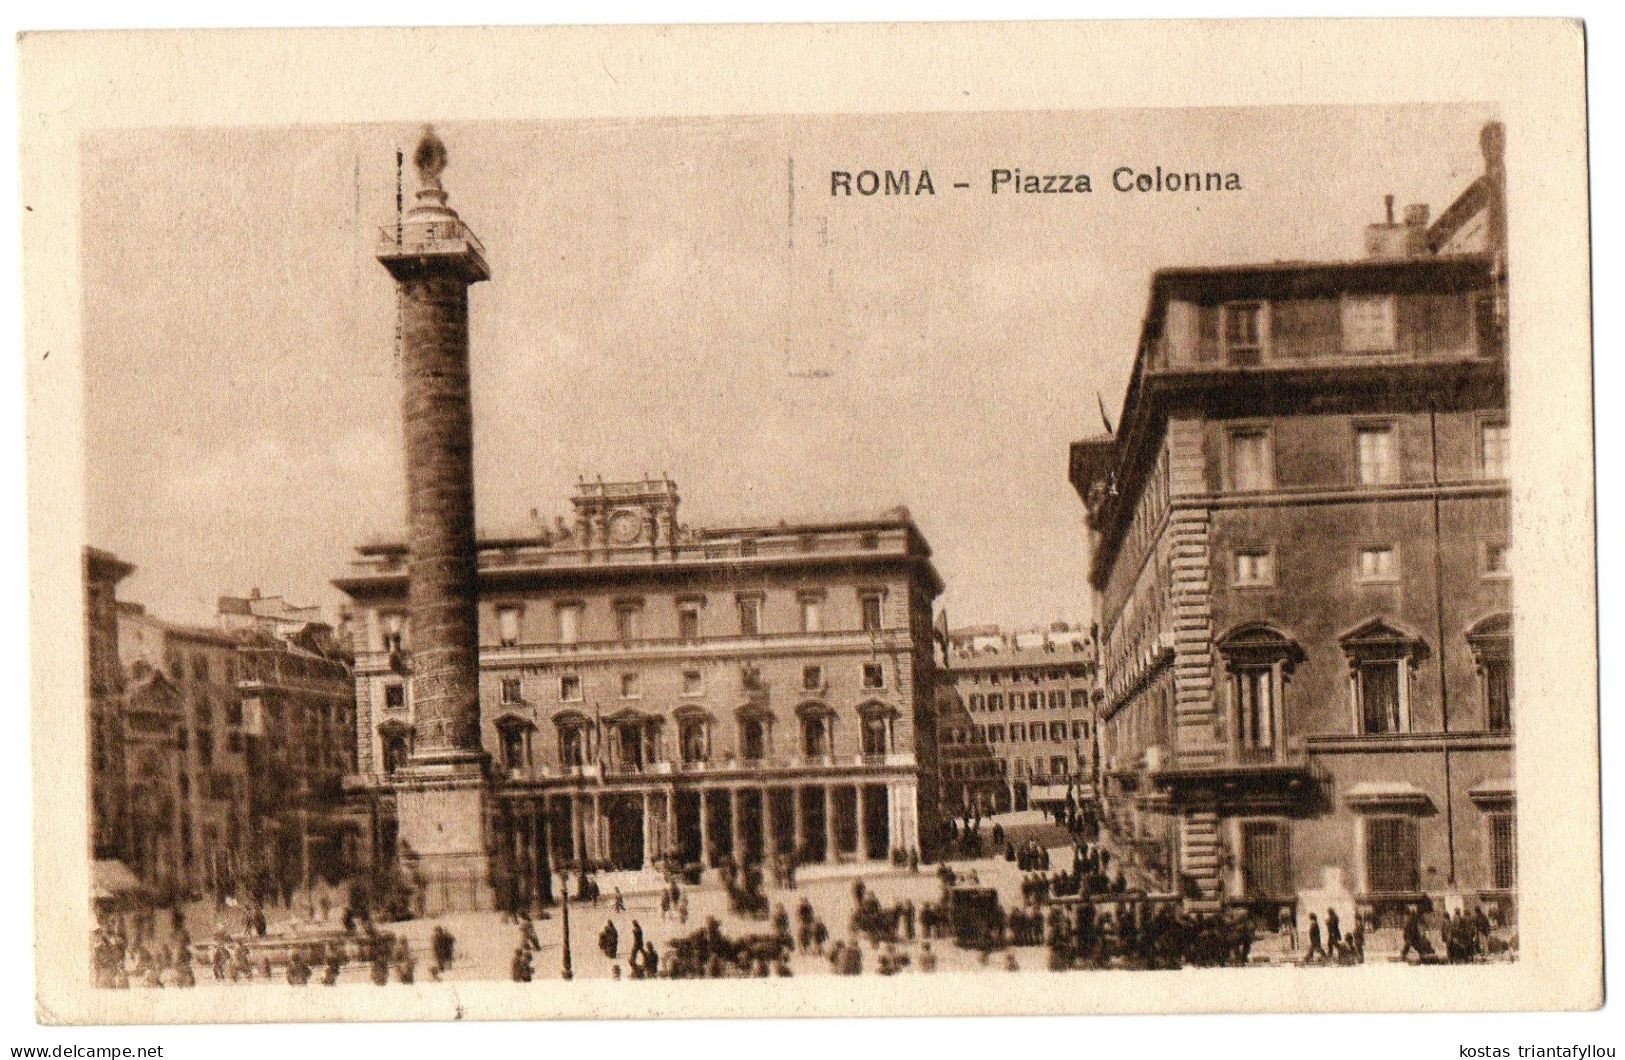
(443, 845)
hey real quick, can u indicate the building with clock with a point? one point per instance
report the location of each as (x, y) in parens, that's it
(651, 693)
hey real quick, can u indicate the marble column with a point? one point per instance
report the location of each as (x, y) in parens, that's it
(861, 821)
(831, 853)
(671, 820)
(705, 829)
(648, 829)
(579, 828)
(737, 824)
(798, 818)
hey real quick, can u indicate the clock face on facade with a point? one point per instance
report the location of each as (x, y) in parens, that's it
(625, 527)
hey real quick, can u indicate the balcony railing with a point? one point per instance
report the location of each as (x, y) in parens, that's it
(428, 237)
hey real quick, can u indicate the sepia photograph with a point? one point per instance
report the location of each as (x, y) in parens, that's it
(626, 549)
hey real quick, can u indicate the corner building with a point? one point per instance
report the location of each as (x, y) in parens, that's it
(1300, 561)
(650, 692)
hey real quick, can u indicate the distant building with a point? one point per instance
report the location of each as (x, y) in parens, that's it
(1016, 718)
(1301, 564)
(189, 774)
(104, 686)
(237, 740)
(650, 691)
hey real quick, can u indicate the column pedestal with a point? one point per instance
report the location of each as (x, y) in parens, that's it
(441, 814)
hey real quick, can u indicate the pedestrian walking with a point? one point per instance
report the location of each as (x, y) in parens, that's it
(1315, 948)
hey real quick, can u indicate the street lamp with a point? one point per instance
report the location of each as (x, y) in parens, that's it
(568, 972)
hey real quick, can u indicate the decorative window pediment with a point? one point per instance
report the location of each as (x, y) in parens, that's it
(1380, 638)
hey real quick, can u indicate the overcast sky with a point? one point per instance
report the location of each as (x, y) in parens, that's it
(660, 301)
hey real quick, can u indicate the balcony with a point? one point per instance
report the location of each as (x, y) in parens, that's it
(1247, 778)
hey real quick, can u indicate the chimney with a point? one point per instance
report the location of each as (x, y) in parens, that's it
(1387, 239)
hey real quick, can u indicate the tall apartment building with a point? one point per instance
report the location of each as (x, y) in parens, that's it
(652, 691)
(237, 742)
(1016, 718)
(104, 686)
(1300, 559)
(187, 770)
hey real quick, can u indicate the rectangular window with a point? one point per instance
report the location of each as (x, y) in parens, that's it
(871, 612)
(874, 675)
(995, 701)
(1080, 699)
(570, 688)
(812, 678)
(569, 623)
(995, 734)
(1266, 861)
(976, 701)
(513, 748)
(508, 626)
(1368, 324)
(1252, 567)
(693, 683)
(1057, 765)
(1242, 331)
(1498, 693)
(750, 616)
(1392, 858)
(1494, 448)
(628, 622)
(1503, 851)
(812, 614)
(1057, 700)
(513, 690)
(1374, 452)
(1251, 465)
(629, 686)
(1255, 707)
(688, 621)
(1377, 564)
(1080, 730)
(393, 626)
(1057, 732)
(1378, 690)
(1497, 559)
(1036, 731)
(395, 697)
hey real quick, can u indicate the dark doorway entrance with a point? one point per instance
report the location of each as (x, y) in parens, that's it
(626, 833)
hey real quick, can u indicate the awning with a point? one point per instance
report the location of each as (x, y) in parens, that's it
(112, 879)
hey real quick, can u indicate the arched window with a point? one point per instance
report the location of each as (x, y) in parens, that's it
(1491, 643)
(1258, 660)
(514, 741)
(1381, 656)
(755, 734)
(396, 740)
(817, 730)
(573, 749)
(694, 737)
(878, 728)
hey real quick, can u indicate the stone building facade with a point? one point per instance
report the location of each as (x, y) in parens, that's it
(1016, 720)
(237, 742)
(650, 692)
(104, 723)
(187, 768)
(1301, 563)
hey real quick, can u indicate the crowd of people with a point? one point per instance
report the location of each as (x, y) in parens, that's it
(1085, 915)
